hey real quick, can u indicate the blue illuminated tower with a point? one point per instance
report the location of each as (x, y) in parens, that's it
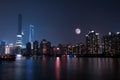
(31, 35)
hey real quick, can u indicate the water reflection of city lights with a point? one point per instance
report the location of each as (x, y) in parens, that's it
(57, 68)
(58, 48)
(57, 58)
(18, 57)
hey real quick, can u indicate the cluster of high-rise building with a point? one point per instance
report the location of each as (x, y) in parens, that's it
(43, 47)
(108, 44)
(6, 48)
(19, 42)
(111, 43)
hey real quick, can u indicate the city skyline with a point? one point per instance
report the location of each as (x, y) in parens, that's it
(59, 40)
(57, 21)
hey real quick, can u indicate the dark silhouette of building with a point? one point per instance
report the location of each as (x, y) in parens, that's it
(45, 47)
(28, 49)
(35, 48)
(19, 24)
(2, 47)
(76, 49)
(81, 48)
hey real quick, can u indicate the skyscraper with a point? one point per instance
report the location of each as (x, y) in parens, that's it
(45, 47)
(19, 24)
(2, 47)
(31, 33)
(35, 47)
(19, 33)
(111, 43)
(28, 49)
(92, 42)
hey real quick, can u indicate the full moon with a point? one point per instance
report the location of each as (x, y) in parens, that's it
(77, 31)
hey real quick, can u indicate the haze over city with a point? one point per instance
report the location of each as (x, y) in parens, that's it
(56, 21)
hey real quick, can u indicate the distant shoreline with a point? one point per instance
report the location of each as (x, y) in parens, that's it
(94, 55)
(12, 57)
(87, 55)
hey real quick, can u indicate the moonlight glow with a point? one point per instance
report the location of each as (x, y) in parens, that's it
(77, 31)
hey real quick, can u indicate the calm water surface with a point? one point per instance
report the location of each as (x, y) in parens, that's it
(64, 68)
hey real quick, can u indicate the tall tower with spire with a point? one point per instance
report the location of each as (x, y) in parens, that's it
(19, 33)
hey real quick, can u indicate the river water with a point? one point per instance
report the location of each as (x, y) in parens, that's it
(60, 68)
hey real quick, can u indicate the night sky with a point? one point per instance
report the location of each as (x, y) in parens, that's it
(57, 20)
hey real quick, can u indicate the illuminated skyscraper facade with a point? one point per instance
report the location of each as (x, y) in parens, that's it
(92, 43)
(19, 33)
(117, 42)
(111, 43)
